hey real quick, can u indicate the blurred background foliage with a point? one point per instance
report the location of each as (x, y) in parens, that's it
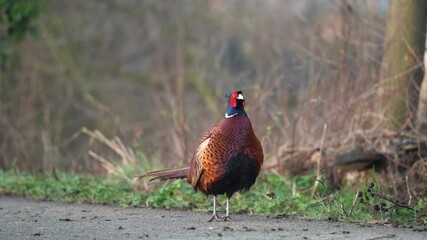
(154, 74)
(16, 21)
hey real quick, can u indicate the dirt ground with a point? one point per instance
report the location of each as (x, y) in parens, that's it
(26, 219)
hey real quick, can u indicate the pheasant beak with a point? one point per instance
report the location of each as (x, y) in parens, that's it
(240, 97)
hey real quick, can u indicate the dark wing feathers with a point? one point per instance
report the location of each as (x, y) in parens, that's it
(197, 163)
(209, 160)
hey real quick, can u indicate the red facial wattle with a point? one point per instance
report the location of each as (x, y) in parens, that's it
(233, 99)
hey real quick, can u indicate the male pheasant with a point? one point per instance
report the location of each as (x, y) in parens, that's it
(227, 160)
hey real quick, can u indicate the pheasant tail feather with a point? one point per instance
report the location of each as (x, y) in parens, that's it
(167, 174)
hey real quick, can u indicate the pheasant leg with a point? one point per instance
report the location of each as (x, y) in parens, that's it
(227, 210)
(214, 214)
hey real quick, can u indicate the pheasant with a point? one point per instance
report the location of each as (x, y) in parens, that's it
(227, 160)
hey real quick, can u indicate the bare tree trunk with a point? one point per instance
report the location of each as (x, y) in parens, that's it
(422, 102)
(401, 72)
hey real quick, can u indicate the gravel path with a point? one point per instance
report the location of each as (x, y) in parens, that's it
(26, 219)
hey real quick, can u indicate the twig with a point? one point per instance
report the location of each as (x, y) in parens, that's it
(322, 143)
(342, 207)
(392, 201)
(408, 189)
(383, 237)
(322, 201)
(354, 202)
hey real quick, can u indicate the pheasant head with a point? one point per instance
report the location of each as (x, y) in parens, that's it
(235, 104)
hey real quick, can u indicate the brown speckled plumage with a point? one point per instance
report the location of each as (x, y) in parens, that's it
(228, 158)
(230, 138)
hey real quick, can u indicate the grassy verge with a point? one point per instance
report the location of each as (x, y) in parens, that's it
(271, 194)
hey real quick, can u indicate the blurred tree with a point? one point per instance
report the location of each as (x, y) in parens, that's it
(16, 18)
(422, 102)
(401, 72)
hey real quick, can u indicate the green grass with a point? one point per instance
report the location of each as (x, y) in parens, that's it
(271, 194)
